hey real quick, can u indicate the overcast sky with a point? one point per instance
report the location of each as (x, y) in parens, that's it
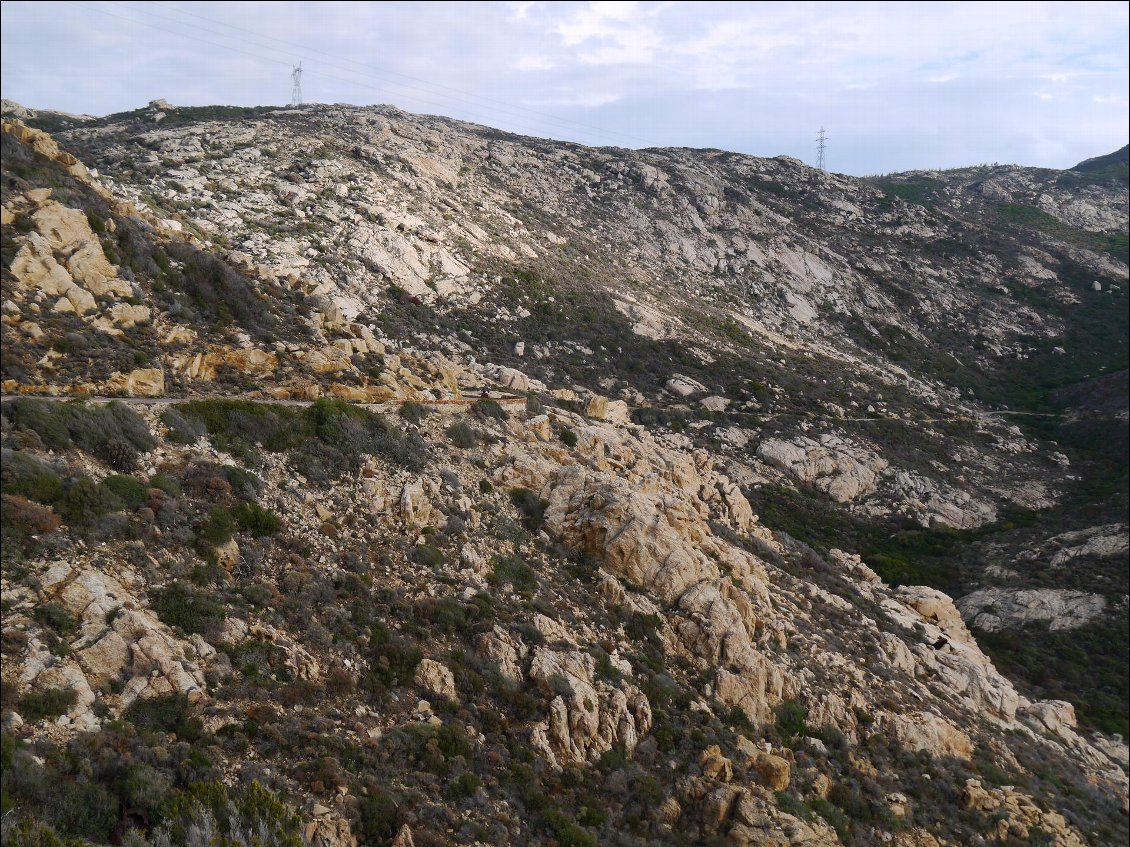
(897, 86)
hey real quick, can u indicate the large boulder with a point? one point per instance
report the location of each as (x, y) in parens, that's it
(842, 470)
(436, 678)
(586, 718)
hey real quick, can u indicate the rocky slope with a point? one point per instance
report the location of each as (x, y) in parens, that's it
(553, 616)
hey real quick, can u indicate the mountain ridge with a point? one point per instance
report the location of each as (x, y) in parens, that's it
(703, 338)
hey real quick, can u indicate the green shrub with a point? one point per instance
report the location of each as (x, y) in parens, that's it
(245, 816)
(255, 520)
(487, 408)
(183, 428)
(244, 484)
(328, 438)
(464, 785)
(48, 703)
(219, 294)
(392, 660)
(567, 833)
(56, 616)
(834, 817)
(93, 427)
(378, 818)
(531, 506)
(485, 486)
(462, 435)
(165, 483)
(413, 412)
(39, 416)
(425, 554)
(83, 502)
(118, 453)
(641, 627)
(164, 714)
(23, 474)
(217, 528)
(129, 489)
(97, 225)
(568, 437)
(27, 832)
(188, 608)
(511, 569)
(791, 720)
(23, 517)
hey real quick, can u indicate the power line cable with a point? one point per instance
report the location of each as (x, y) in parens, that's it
(368, 69)
(354, 83)
(476, 111)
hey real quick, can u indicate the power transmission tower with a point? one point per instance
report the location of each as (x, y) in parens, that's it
(296, 90)
(820, 145)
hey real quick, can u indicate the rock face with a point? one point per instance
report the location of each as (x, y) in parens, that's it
(117, 637)
(1019, 816)
(839, 469)
(436, 678)
(935, 735)
(62, 260)
(585, 718)
(772, 771)
(993, 609)
(556, 615)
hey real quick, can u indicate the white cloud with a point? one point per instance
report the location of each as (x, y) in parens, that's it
(521, 10)
(597, 21)
(588, 100)
(534, 63)
(897, 84)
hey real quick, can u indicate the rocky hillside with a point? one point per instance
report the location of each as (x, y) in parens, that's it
(666, 583)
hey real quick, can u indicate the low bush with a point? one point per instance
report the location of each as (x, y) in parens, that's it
(48, 703)
(25, 517)
(26, 475)
(392, 660)
(487, 408)
(56, 616)
(425, 554)
(165, 483)
(568, 437)
(189, 609)
(118, 453)
(792, 719)
(244, 816)
(328, 438)
(84, 501)
(183, 428)
(164, 714)
(129, 489)
(255, 520)
(511, 569)
(413, 412)
(217, 528)
(103, 429)
(462, 435)
(379, 818)
(531, 506)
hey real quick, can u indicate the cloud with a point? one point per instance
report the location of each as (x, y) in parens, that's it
(898, 85)
(587, 100)
(533, 63)
(613, 33)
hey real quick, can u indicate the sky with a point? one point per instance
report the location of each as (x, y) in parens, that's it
(896, 86)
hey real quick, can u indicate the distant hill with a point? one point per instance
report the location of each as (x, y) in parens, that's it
(1113, 167)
